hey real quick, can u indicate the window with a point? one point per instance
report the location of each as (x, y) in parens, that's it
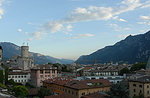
(140, 91)
(18, 80)
(41, 71)
(134, 90)
(134, 85)
(41, 76)
(18, 76)
(12, 76)
(83, 93)
(53, 71)
(69, 91)
(21, 76)
(140, 86)
(25, 76)
(147, 86)
(15, 76)
(76, 93)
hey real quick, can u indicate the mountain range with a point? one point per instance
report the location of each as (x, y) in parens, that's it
(130, 50)
(10, 50)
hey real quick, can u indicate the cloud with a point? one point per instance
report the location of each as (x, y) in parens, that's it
(146, 4)
(145, 20)
(93, 13)
(145, 17)
(69, 27)
(118, 28)
(37, 35)
(122, 36)
(81, 36)
(19, 30)
(1, 9)
(119, 19)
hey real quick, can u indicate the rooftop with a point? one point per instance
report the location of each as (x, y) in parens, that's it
(143, 79)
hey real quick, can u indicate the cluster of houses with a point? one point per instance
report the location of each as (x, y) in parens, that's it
(86, 81)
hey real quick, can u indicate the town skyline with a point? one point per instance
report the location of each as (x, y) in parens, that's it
(71, 28)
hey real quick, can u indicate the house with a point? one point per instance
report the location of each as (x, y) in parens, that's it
(76, 88)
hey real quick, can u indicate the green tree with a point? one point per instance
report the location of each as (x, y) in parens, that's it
(138, 66)
(11, 82)
(2, 86)
(28, 85)
(20, 91)
(124, 71)
(44, 92)
(118, 90)
(1, 76)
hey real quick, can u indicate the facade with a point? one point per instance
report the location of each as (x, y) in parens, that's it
(106, 72)
(18, 75)
(41, 73)
(76, 88)
(140, 86)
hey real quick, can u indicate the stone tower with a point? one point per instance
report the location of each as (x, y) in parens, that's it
(24, 51)
(1, 51)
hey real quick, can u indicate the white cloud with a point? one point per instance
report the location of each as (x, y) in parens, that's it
(146, 4)
(37, 35)
(122, 36)
(118, 28)
(1, 9)
(81, 36)
(93, 13)
(145, 17)
(122, 20)
(19, 30)
(69, 27)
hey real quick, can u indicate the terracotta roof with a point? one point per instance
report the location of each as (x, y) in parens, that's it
(87, 84)
(87, 68)
(83, 84)
(17, 73)
(59, 80)
(33, 91)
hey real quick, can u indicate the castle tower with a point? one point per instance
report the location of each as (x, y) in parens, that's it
(24, 51)
(1, 51)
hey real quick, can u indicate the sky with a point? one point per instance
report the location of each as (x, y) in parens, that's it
(71, 28)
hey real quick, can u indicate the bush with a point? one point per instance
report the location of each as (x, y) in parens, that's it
(2, 86)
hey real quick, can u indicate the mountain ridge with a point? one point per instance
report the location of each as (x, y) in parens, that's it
(132, 49)
(11, 49)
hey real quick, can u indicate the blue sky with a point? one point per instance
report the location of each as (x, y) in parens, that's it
(71, 28)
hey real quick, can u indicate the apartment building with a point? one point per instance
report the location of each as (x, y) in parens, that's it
(140, 85)
(76, 88)
(42, 72)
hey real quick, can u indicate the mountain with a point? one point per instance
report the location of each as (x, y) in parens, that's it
(132, 49)
(10, 50)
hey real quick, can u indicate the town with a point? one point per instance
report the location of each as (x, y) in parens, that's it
(20, 77)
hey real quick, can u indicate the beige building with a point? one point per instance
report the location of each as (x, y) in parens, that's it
(75, 88)
(42, 72)
(139, 86)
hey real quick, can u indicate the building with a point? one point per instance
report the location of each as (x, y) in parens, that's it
(24, 61)
(139, 86)
(105, 72)
(76, 88)
(18, 75)
(112, 79)
(42, 72)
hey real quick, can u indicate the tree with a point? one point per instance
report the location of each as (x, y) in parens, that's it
(124, 71)
(11, 82)
(28, 85)
(138, 66)
(20, 91)
(44, 92)
(118, 91)
(1, 76)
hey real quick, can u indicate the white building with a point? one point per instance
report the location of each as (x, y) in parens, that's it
(18, 75)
